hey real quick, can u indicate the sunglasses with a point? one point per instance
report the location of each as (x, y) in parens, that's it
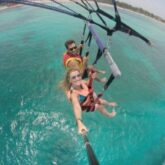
(71, 49)
(76, 76)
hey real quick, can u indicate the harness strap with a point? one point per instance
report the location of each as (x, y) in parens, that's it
(98, 56)
(89, 39)
(82, 40)
(111, 78)
(90, 83)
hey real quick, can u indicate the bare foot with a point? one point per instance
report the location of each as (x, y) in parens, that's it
(112, 114)
(103, 80)
(102, 71)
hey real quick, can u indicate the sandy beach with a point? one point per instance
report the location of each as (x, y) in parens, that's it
(4, 7)
(8, 6)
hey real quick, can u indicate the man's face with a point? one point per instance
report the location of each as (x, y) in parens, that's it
(72, 48)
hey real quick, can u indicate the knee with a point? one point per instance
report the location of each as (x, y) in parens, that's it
(99, 107)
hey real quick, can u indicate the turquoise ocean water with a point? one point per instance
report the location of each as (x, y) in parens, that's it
(37, 125)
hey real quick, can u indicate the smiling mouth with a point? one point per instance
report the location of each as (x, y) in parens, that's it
(78, 81)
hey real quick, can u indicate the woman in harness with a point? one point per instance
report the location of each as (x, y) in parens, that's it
(83, 97)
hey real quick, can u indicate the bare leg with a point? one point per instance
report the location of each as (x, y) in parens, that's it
(97, 78)
(102, 110)
(102, 80)
(96, 70)
(105, 102)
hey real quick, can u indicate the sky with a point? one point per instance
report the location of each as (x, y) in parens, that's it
(156, 7)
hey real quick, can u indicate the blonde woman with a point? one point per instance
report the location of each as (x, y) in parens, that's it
(83, 98)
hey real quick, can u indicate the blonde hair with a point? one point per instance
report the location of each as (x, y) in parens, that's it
(65, 84)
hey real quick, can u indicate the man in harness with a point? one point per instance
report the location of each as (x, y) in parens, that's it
(72, 59)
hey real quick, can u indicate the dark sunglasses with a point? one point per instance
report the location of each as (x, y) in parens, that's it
(76, 76)
(71, 49)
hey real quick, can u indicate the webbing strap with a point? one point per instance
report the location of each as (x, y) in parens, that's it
(82, 40)
(90, 83)
(98, 56)
(89, 39)
(111, 78)
(119, 24)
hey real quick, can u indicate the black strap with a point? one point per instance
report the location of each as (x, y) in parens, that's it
(83, 6)
(107, 84)
(80, 16)
(117, 17)
(64, 6)
(99, 54)
(82, 41)
(119, 24)
(81, 49)
(88, 41)
(116, 11)
(92, 9)
(111, 78)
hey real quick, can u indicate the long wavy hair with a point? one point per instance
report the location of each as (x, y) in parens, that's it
(65, 83)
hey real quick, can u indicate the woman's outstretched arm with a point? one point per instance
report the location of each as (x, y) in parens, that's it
(77, 113)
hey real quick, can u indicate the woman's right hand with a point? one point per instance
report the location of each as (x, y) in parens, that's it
(81, 127)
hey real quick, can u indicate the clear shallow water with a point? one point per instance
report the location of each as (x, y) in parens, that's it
(36, 121)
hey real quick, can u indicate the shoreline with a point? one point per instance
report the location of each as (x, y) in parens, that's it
(10, 6)
(137, 13)
(5, 7)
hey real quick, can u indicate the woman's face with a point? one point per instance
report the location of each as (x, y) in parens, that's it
(75, 78)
